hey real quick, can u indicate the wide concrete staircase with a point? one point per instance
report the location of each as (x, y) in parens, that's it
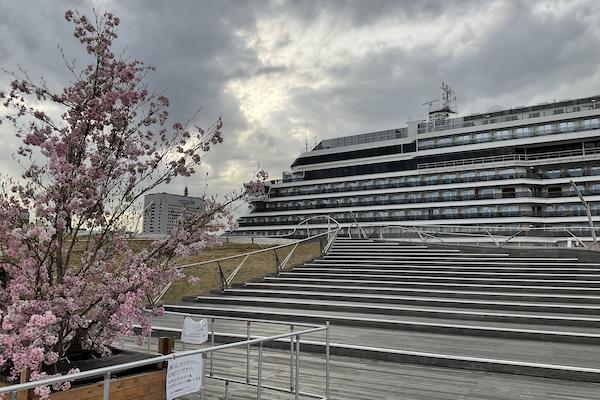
(437, 305)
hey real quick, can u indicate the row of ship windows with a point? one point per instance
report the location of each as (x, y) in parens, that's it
(432, 196)
(434, 179)
(507, 134)
(560, 210)
(556, 230)
(452, 124)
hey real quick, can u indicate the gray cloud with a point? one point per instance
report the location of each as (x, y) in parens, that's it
(338, 66)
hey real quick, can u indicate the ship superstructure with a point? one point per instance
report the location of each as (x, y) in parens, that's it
(519, 167)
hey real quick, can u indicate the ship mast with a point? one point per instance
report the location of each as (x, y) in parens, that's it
(446, 107)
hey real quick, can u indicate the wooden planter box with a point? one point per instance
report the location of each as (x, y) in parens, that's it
(142, 386)
(145, 383)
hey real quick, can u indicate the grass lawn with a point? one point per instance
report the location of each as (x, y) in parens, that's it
(256, 266)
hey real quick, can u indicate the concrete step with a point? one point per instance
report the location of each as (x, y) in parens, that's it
(452, 261)
(399, 272)
(586, 305)
(552, 360)
(392, 249)
(483, 267)
(416, 254)
(441, 293)
(440, 279)
(378, 321)
(386, 284)
(530, 313)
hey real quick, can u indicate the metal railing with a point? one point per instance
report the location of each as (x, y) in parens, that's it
(293, 335)
(330, 234)
(511, 157)
(497, 235)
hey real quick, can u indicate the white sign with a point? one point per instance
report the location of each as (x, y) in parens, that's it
(194, 332)
(185, 375)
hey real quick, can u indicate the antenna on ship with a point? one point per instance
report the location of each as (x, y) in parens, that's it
(306, 138)
(447, 106)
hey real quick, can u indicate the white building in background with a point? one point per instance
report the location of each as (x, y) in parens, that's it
(162, 210)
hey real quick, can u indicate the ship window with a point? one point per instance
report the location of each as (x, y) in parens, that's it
(575, 171)
(426, 144)
(463, 139)
(412, 197)
(543, 129)
(469, 211)
(567, 126)
(534, 115)
(443, 142)
(488, 211)
(468, 176)
(467, 194)
(508, 193)
(510, 209)
(591, 123)
(486, 175)
(431, 179)
(508, 173)
(558, 111)
(553, 173)
(431, 196)
(413, 180)
(522, 132)
(503, 134)
(450, 211)
(449, 194)
(482, 137)
(448, 178)
(554, 191)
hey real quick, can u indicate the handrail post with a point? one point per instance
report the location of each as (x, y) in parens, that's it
(259, 384)
(212, 342)
(150, 332)
(327, 356)
(247, 352)
(277, 263)
(222, 277)
(106, 388)
(297, 388)
(291, 360)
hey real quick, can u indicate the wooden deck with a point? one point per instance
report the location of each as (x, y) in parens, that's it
(360, 379)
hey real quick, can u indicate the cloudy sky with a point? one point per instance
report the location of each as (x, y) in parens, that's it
(272, 69)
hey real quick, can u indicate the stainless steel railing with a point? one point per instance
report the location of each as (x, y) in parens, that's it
(295, 337)
(330, 234)
(499, 236)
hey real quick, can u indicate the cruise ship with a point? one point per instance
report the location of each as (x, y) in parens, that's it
(525, 167)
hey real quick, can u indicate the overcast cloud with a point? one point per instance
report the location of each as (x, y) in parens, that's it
(338, 67)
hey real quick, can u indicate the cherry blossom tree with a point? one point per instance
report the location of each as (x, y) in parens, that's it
(70, 279)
